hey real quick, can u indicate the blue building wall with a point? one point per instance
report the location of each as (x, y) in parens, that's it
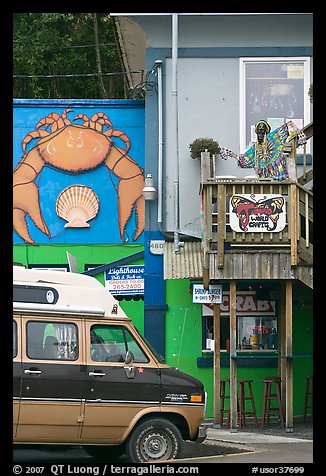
(126, 116)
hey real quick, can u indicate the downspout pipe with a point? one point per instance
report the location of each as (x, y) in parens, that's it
(160, 144)
(175, 148)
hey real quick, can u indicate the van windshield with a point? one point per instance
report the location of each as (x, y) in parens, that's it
(158, 356)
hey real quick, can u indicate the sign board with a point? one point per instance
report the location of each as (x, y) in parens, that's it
(257, 213)
(125, 279)
(213, 295)
(156, 247)
(246, 305)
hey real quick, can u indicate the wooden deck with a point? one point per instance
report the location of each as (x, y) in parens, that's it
(230, 254)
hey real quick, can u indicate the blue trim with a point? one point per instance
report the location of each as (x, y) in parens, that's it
(299, 159)
(156, 307)
(270, 362)
(154, 296)
(48, 266)
(113, 264)
(120, 103)
(228, 52)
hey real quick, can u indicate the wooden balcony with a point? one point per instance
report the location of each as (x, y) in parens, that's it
(231, 252)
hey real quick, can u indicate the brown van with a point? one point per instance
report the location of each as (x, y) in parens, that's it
(84, 375)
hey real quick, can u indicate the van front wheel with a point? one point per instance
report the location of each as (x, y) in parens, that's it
(154, 440)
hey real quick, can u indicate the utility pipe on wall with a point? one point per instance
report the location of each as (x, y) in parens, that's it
(175, 148)
(160, 143)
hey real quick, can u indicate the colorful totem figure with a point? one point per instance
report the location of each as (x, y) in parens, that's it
(266, 156)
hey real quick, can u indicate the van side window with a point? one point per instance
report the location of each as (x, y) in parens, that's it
(111, 343)
(14, 338)
(52, 340)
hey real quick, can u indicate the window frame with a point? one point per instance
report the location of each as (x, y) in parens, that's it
(53, 322)
(306, 60)
(255, 315)
(15, 338)
(124, 330)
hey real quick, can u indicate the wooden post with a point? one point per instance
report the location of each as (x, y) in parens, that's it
(220, 224)
(289, 360)
(233, 352)
(291, 160)
(217, 365)
(293, 224)
(281, 343)
(205, 166)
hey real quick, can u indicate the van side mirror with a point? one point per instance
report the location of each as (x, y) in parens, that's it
(129, 357)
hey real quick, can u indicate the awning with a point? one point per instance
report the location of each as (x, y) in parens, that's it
(187, 263)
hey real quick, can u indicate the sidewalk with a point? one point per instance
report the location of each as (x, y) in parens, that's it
(271, 445)
(272, 433)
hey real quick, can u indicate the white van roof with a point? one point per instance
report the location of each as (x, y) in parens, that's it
(66, 293)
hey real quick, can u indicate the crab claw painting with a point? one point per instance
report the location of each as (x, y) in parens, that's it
(75, 148)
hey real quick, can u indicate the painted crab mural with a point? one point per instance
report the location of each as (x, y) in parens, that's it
(74, 148)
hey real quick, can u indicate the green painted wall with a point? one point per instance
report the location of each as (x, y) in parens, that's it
(184, 344)
(85, 254)
(184, 320)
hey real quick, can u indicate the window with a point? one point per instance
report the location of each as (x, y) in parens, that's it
(55, 267)
(14, 338)
(256, 323)
(52, 341)
(111, 343)
(274, 89)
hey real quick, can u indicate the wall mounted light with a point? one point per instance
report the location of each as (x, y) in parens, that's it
(149, 191)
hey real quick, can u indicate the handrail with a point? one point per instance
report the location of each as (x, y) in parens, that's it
(296, 235)
(295, 238)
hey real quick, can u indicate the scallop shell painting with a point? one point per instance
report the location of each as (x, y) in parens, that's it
(77, 204)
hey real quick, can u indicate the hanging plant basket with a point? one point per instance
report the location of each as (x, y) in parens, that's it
(201, 144)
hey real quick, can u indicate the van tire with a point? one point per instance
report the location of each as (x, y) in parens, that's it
(154, 440)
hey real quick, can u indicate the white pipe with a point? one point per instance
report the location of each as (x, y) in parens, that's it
(175, 151)
(160, 142)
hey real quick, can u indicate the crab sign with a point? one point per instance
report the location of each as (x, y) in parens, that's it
(76, 148)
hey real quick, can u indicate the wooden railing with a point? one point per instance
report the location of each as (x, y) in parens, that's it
(295, 237)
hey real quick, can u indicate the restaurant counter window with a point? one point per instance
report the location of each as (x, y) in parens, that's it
(257, 327)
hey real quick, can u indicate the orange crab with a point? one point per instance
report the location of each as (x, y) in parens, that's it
(76, 148)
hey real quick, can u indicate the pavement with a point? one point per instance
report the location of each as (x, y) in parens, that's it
(273, 444)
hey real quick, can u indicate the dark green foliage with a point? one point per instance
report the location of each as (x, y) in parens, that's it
(199, 145)
(63, 44)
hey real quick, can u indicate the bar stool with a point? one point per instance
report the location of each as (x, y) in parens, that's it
(224, 396)
(308, 392)
(243, 397)
(269, 396)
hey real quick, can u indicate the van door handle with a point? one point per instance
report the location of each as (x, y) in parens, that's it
(96, 374)
(32, 371)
